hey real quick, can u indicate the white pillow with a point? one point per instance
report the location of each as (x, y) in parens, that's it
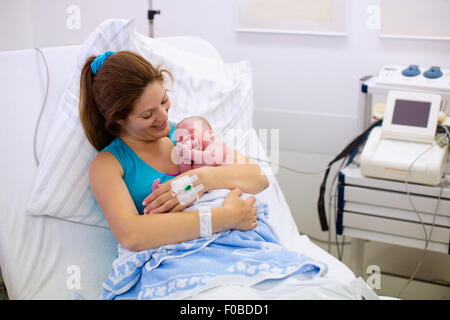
(203, 86)
(220, 92)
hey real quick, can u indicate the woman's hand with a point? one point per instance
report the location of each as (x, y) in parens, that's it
(242, 213)
(161, 200)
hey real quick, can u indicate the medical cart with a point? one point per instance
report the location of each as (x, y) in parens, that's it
(385, 210)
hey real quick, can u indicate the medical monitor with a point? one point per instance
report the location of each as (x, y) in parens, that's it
(411, 115)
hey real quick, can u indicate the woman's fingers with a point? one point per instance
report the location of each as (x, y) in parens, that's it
(166, 207)
(162, 188)
(251, 200)
(159, 202)
(237, 192)
(179, 207)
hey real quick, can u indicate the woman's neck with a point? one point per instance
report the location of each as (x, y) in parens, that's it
(138, 145)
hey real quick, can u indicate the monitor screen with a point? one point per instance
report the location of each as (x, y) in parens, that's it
(411, 113)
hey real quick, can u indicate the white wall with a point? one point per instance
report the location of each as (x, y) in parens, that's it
(27, 24)
(300, 72)
(15, 24)
(308, 87)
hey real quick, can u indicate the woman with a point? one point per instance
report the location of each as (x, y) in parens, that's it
(124, 112)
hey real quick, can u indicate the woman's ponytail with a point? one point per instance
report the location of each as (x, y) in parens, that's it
(92, 120)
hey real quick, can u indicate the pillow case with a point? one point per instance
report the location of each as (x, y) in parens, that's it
(207, 87)
(203, 86)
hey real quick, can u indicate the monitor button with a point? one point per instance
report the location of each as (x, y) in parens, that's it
(433, 73)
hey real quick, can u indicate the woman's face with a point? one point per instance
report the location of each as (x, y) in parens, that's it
(148, 120)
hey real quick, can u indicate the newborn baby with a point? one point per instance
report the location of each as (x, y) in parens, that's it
(197, 146)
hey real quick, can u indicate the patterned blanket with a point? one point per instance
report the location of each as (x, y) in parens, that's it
(180, 270)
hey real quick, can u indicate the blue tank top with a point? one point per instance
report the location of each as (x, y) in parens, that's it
(138, 175)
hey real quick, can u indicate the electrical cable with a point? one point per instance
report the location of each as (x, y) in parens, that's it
(441, 142)
(333, 182)
(446, 130)
(427, 237)
(348, 150)
(427, 241)
(328, 242)
(288, 168)
(42, 108)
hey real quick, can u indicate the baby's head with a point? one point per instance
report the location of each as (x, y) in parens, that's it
(196, 128)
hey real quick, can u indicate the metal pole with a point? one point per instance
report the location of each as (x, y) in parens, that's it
(150, 15)
(364, 105)
(357, 256)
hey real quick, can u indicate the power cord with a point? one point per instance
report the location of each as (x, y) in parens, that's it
(42, 108)
(443, 142)
(334, 183)
(288, 168)
(328, 242)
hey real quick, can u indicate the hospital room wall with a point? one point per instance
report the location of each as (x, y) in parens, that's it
(17, 16)
(49, 23)
(308, 86)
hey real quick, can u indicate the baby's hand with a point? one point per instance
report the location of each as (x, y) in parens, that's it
(155, 184)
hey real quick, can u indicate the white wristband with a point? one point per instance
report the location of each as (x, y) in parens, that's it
(204, 214)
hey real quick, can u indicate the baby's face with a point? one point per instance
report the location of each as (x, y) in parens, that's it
(194, 129)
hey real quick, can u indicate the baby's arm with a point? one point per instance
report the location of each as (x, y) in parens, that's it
(216, 154)
(184, 151)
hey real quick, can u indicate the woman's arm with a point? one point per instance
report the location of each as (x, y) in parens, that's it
(240, 173)
(139, 232)
(175, 227)
(243, 174)
(232, 169)
(153, 231)
(247, 177)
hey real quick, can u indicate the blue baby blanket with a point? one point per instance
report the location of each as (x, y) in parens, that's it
(180, 270)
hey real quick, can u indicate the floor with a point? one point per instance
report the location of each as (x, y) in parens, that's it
(391, 285)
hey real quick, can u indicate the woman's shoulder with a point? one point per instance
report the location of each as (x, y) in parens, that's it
(114, 144)
(105, 161)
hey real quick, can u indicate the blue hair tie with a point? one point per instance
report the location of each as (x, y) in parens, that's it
(98, 62)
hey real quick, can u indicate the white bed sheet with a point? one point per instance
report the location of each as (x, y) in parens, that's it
(37, 253)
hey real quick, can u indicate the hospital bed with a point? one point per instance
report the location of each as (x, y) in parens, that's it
(40, 253)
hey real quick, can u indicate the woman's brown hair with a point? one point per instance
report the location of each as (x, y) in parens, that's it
(110, 94)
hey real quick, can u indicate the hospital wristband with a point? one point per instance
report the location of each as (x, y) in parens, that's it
(204, 214)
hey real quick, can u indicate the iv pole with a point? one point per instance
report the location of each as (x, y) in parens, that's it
(151, 15)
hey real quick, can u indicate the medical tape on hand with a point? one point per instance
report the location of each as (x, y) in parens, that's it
(204, 214)
(184, 189)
